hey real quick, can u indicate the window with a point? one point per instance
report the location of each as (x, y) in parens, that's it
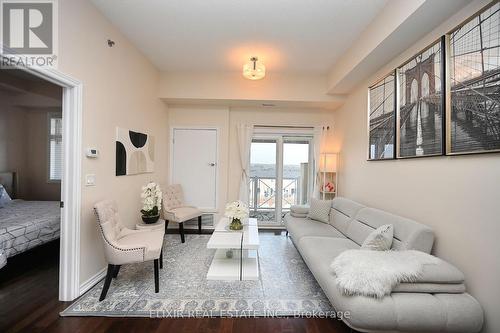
(281, 173)
(55, 149)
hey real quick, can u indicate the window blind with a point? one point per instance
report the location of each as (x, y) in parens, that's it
(55, 147)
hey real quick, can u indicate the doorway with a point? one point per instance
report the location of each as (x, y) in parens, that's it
(69, 262)
(281, 173)
(194, 165)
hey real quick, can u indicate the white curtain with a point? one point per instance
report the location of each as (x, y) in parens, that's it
(245, 133)
(319, 143)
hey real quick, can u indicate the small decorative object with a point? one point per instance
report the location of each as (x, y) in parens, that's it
(229, 254)
(329, 187)
(151, 203)
(236, 211)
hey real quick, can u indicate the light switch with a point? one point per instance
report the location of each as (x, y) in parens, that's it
(90, 180)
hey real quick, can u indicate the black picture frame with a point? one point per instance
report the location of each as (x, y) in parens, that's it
(420, 106)
(473, 87)
(381, 119)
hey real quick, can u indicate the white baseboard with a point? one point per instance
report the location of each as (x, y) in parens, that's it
(92, 281)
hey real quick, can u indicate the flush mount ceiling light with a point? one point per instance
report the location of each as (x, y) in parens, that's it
(254, 70)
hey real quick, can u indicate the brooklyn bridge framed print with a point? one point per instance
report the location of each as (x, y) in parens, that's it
(420, 115)
(382, 119)
(473, 115)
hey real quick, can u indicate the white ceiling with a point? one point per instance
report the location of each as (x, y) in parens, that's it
(296, 36)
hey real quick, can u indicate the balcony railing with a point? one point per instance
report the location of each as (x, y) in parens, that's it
(263, 197)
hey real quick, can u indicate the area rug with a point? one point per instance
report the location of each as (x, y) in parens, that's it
(285, 287)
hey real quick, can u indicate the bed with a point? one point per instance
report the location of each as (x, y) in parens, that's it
(25, 224)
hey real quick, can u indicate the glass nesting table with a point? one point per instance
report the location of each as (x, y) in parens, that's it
(236, 252)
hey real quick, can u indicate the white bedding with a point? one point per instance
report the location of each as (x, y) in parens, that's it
(27, 224)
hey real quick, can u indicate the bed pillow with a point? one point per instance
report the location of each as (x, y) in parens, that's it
(320, 210)
(379, 239)
(4, 196)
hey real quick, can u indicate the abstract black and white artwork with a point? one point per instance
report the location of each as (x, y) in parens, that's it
(474, 56)
(381, 119)
(135, 152)
(420, 115)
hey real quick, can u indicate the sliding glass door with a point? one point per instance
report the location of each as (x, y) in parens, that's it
(280, 175)
(296, 175)
(263, 176)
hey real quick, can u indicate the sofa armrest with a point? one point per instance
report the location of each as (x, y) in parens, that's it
(299, 210)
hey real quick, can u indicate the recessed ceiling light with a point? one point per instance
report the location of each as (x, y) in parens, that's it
(254, 69)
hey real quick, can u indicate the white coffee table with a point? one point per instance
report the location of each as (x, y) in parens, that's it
(243, 245)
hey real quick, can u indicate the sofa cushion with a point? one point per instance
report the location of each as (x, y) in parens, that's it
(319, 251)
(408, 234)
(300, 227)
(444, 272)
(420, 287)
(342, 211)
(320, 210)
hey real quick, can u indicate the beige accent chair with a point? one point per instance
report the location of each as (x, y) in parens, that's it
(126, 246)
(176, 210)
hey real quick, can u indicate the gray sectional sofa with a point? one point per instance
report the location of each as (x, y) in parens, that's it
(437, 302)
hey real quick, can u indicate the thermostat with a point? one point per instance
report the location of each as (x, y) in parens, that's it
(92, 153)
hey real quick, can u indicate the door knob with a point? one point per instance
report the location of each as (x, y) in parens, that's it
(212, 164)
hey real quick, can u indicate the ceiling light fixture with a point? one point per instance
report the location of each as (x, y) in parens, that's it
(254, 70)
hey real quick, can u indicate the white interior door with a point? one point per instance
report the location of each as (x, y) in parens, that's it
(194, 165)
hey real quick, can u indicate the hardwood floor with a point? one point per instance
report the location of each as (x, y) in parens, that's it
(29, 303)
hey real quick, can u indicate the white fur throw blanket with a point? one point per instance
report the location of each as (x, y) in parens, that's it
(376, 273)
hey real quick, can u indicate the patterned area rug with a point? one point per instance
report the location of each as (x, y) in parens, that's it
(286, 287)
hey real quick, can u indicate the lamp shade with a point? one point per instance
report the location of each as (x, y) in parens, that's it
(254, 69)
(328, 162)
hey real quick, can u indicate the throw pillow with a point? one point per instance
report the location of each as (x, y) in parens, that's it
(320, 210)
(379, 239)
(4, 196)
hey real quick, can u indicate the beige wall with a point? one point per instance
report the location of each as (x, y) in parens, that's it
(225, 119)
(34, 180)
(120, 89)
(12, 143)
(457, 196)
(23, 149)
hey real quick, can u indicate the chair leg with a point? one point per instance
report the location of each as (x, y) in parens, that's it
(199, 224)
(116, 270)
(166, 225)
(181, 231)
(157, 277)
(107, 282)
(161, 259)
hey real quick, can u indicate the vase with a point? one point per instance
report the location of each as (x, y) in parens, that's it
(150, 219)
(236, 224)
